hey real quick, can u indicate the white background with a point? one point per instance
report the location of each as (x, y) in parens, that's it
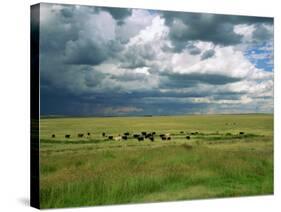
(14, 103)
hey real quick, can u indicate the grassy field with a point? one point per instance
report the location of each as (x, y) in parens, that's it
(216, 162)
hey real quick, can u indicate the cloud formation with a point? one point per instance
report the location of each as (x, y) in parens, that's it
(116, 61)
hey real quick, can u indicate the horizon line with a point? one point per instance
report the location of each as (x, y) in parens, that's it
(150, 115)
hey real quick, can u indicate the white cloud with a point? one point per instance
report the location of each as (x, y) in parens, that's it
(245, 30)
(138, 21)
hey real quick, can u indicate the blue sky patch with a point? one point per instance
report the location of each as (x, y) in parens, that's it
(261, 56)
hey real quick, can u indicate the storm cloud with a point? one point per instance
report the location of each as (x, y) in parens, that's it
(107, 61)
(218, 29)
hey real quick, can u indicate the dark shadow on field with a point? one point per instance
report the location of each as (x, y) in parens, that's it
(24, 201)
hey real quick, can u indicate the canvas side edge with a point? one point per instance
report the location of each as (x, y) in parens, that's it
(34, 105)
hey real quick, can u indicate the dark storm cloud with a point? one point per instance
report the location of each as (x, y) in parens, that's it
(262, 33)
(118, 13)
(207, 54)
(67, 12)
(90, 52)
(68, 49)
(60, 102)
(218, 29)
(177, 80)
(85, 51)
(93, 78)
(73, 40)
(53, 37)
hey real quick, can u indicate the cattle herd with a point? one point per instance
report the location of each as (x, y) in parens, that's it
(140, 136)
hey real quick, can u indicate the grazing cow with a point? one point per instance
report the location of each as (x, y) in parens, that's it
(140, 138)
(153, 133)
(110, 137)
(241, 133)
(103, 134)
(117, 138)
(148, 135)
(80, 135)
(181, 132)
(151, 138)
(143, 133)
(88, 134)
(127, 133)
(53, 136)
(124, 137)
(188, 137)
(136, 135)
(165, 136)
(67, 136)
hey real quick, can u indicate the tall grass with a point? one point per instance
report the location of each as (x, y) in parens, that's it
(112, 177)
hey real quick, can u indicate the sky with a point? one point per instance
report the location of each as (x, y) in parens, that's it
(102, 61)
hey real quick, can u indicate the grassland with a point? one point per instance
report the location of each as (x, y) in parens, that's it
(216, 162)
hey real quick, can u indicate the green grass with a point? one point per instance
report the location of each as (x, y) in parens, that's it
(217, 162)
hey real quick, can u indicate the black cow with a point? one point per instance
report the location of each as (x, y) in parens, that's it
(88, 134)
(161, 135)
(103, 134)
(151, 138)
(124, 137)
(148, 135)
(53, 136)
(241, 133)
(136, 135)
(143, 133)
(181, 132)
(164, 138)
(127, 133)
(67, 136)
(140, 138)
(80, 135)
(110, 137)
(169, 138)
(153, 133)
(188, 137)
